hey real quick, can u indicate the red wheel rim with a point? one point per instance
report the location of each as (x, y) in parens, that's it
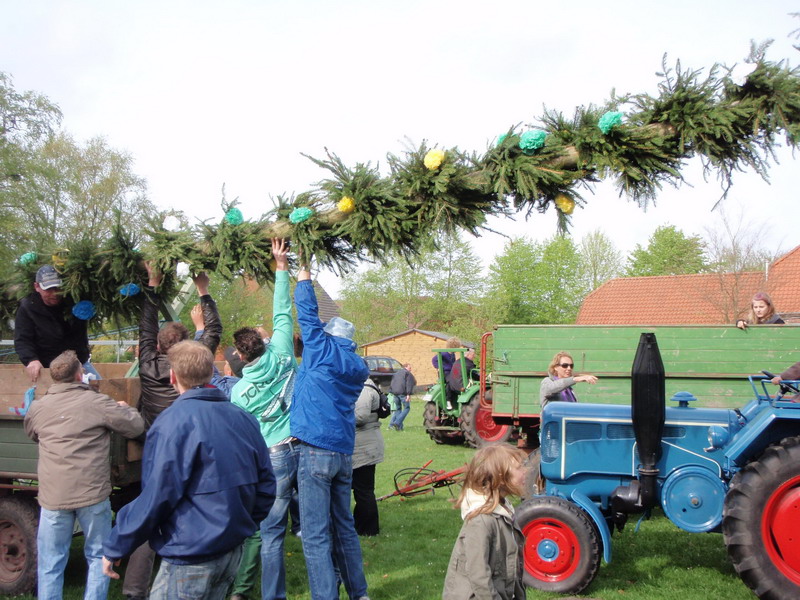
(12, 552)
(779, 529)
(486, 427)
(552, 550)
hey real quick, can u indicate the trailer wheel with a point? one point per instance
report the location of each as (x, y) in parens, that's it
(561, 552)
(478, 425)
(759, 523)
(19, 521)
(431, 420)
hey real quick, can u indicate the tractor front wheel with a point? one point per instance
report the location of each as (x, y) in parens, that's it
(759, 522)
(19, 519)
(562, 551)
(479, 426)
(431, 421)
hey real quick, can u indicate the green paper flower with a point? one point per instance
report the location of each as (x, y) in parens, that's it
(532, 140)
(27, 258)
(300, 214)
(501, 138)
(609, 120)
(234, 216)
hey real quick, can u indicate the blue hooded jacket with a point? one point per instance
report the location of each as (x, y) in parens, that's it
(329, 380)
(207, 482)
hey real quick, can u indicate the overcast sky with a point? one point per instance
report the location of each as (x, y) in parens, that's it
(205, 93)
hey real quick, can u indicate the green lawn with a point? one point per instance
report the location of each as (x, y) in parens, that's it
(409, 558)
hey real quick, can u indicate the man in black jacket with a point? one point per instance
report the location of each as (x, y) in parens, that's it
(158, 393)
(402, 386)
(44, 326)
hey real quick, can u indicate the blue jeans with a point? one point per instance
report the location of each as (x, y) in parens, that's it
(324, 479)
(209, 580)
(273, 527)
(54, 538)
(399, 416)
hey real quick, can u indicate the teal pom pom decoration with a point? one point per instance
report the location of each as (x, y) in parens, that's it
(501, 139)
(84, 310)
(129, 289)
(234, 216)
(27, 258)
(609, 120)
(532, 140)
(300, 214)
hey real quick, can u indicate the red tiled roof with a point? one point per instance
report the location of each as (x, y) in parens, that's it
(706, 298)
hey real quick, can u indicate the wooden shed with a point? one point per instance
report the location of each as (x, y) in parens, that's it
(413, 346)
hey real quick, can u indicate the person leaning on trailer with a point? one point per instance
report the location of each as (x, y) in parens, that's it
(557, 386)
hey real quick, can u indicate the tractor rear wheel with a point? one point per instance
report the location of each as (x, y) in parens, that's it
(759, 522)
(478, 425)
(19, 520)
(431, 421)
(561, 552)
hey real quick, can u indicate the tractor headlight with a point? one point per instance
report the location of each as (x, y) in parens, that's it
(718, 436)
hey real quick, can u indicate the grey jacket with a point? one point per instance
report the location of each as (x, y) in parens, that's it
(73, 426)
(369, 439)
(551, 389)
(486, 563)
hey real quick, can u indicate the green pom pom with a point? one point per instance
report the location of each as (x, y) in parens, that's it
(300, 214)
(609, 120)
(501, 139)
(27, 258)
(532, 140)
(234, 216)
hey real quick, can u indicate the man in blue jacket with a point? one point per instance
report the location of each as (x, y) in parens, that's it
(207, 482)
(329, 380)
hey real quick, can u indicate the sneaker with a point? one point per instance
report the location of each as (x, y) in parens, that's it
(450, 406)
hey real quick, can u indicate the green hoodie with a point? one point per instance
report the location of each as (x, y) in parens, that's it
(265, 390)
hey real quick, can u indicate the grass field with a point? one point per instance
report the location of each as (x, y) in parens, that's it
(409, 558)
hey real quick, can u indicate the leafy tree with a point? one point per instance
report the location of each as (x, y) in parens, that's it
(669, 252)
(600, 259)
(536, 283)
(434, 291)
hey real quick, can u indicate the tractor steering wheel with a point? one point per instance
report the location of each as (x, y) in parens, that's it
(784, 387)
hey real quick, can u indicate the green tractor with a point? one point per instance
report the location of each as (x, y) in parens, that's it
(469, 419)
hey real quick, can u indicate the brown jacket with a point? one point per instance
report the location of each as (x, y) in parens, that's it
(72, 424)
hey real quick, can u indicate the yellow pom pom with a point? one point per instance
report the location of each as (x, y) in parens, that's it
(59, 259)
(565, 204)
(346, 205)
(433, 159)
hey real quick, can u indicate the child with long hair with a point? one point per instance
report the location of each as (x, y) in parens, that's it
(762, 312)
(487, 558)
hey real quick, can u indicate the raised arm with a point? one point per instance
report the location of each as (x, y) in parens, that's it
(212, 331)
(282, 322)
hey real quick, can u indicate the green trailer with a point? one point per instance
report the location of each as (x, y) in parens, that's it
(710, 361)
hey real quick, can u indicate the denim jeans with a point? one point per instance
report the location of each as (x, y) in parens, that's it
(399, 416)
(54, 538)
(209, 580)
(324, 479)
(273, 527)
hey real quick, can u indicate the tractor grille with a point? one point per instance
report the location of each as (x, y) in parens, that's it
(551, 442)
(578, 432)
(619, 432)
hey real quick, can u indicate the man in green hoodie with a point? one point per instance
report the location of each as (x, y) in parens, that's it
(265, 391)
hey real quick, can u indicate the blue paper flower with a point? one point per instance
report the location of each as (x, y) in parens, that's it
(129, 289)
(27, 258)
(532, 140)
(609, 120)
(300, 214)
(234, 216)
(84, 310)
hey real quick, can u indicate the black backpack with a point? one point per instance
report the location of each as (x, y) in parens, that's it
(383, 410)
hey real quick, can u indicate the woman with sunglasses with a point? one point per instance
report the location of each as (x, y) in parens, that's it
(557, 386)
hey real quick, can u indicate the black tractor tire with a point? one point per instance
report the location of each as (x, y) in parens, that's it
(759, 522)
(430, 420)
(479, 426)
(534, 484)
(561, 552)
(19, 521)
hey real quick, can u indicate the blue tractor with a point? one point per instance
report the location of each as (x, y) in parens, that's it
(710, 470)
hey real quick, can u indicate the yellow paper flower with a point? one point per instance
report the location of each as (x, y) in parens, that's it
(59, 258)
(433, 159)
(565, 204)
(346, 205)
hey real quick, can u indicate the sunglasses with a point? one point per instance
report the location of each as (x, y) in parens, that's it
(566, 365)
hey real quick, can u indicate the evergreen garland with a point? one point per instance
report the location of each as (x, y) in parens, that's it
(356, 213)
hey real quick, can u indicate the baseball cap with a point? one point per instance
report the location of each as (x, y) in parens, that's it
(47, 277)
(338, 327)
